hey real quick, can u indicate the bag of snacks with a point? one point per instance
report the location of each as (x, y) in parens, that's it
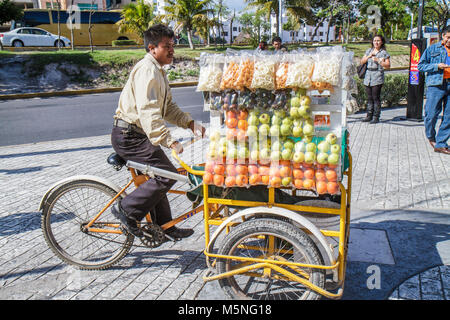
(211, 70)
(264, 72)
(327, 67)
(245, 72)
(282, 72)
(300, 70)
(231, 69)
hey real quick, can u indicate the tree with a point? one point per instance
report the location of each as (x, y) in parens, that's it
(255, 26)
(9, 11)
(187, 13)
(438, 12)
(223, 12)
(137, 18)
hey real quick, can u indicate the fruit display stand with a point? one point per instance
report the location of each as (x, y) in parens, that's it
(272, 147)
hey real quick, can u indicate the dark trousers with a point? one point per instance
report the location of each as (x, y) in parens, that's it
(374, 100)
(151, 195)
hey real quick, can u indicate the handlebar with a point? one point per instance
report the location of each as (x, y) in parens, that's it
(182, 163)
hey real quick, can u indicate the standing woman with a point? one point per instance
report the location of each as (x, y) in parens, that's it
(377, 59)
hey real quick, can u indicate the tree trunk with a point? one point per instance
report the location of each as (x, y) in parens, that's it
(189, 34)
(71, 26)
(59, 27)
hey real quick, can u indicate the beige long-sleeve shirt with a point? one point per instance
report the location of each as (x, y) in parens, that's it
(146, 101)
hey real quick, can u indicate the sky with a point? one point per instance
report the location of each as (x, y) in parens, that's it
(239, 5)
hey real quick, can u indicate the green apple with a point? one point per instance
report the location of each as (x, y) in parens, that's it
(295, 102)
(311, 147)
(264, 154)
(300, 146)
(307, 139)
(322, 158)
(243, 153)
(253, 120)
(264, 129)
(275, 155)
(294, 112)
(213, 145)
(286, 181)
(215, 136)
(276, 145)
(335, 148)
(300, 92)
(212, 154)
(287, 121)
(232, 153)
(305, 100)
(331, 138)
(304, 111)
(264, 118)
(276, 120)
(286, 154)
(275, 130)
(254, 112)
(308, 130)
(252, 131)
(324, 146)
(285, 129)
(298, 157)
(310, 157)
(280, 113)
(297, 123)
(333, 158)
(288, 144)
(297, 131)
(254, 155)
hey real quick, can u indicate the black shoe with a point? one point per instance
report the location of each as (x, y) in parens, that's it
(129, 224)
(375, 120)
(178, 233)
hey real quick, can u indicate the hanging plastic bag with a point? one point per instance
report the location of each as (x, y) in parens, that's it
(264, 72)
(300, 70)
(211, 68)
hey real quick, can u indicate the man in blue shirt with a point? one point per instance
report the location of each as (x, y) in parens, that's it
(436, 62)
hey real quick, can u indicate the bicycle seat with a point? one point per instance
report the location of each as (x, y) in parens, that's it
(116, 161)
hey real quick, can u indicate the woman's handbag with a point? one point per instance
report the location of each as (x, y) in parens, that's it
(362, 68)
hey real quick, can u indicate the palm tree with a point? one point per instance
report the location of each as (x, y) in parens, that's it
(188, 13)
(137, 18)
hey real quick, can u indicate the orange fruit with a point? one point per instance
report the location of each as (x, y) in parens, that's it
(218, 180)
(320, 166)
(254, 179)
(209, 167)
(265, 180)
(275, 182)
(230, 170)
(242, 124)
(252, 169)
(320, 175)
(241, 169)
(231, 134)
(285, 162)
(308, 183)
(242, 114)
(331, 175)
(298, 183)
(309, 174)
(264, 170)
(321, 187)
(297, 173)
(296, 165)
(231, 114)
(274, 172)
(241, 135)
(241, 180)
(219, 169)
(285, 171)
(332, 187)
(208, 178)
(232, 123)
(230, 181)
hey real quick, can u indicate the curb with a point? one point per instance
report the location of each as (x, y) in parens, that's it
(80, 92)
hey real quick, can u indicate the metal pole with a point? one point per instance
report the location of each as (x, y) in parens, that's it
(281, 17)
(420, 18)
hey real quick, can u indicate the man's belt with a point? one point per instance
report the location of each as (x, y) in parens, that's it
(130, 127)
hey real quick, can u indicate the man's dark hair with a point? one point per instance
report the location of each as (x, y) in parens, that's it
(446, 30)
(155, 34)
(276, 39)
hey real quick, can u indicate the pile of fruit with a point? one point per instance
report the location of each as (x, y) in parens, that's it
(268, 135)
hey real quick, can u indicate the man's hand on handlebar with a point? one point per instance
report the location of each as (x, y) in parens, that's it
(177, 147)
(197, 129)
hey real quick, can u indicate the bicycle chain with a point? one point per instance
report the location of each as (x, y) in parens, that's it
(154, 235)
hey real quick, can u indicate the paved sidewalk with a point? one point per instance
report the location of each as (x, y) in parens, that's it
(400, 222)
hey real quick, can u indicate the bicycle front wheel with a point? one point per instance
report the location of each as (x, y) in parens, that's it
(65, 216)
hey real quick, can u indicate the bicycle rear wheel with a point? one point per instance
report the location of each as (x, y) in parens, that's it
(65, 216)
(272, 239)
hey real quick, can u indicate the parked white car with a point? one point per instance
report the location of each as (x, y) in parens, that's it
(32, 37)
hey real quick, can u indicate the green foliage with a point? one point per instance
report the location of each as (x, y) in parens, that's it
(137, 17)
(395, 89)
(9, 11)
(117, 43)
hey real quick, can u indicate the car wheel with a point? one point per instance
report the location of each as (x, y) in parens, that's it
(59, 44)
(17, 43)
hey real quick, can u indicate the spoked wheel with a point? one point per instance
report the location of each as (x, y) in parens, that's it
(270, 239)
(65, 216)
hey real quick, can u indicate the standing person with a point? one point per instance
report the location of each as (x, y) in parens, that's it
(436, 62)
(377, 59)
(262, 45)
(276, 42)
(139, 130)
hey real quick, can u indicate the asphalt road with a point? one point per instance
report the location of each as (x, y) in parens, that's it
(47, 119)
